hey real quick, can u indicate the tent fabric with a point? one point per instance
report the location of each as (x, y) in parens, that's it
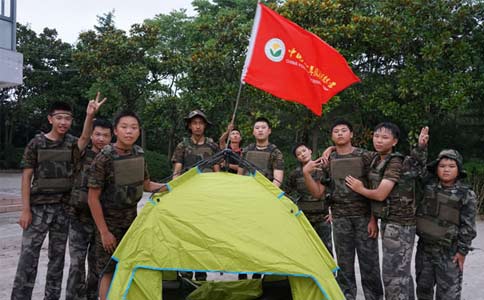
(222, 222)
(228, 290)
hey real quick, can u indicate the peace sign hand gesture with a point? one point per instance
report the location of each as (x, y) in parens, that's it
(423, 138)
(94, 105)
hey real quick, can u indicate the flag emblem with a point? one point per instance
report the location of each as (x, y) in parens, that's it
(275, 50)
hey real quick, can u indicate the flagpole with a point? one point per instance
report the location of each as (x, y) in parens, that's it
(246, 63)
(248, 57)
(235, 112)
(237, 101)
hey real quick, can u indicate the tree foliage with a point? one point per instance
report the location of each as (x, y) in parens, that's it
(421, 63)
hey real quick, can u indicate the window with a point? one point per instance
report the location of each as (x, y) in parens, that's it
(5, 8)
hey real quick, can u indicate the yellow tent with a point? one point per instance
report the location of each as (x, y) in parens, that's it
(221, 222)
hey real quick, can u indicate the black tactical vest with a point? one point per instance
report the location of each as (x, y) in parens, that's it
(399, 206)
(438, 215)
(54, 172)
(261, 159)
(126, 189)
(344, 201)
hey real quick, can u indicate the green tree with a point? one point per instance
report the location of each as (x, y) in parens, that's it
(48, 75)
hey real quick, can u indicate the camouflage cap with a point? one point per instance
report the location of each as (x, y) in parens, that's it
(197, 113)
(451, 154)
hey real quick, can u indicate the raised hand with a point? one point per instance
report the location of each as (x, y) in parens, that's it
(313, 165)
(94, 105)
(423, 138)
(327, 152)
(230, 127)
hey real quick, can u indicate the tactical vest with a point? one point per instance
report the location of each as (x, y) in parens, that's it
(54, 171)
(399, 206)
(78, 198)
(313, 208)
(344, 201)
(261, 159)
(196, 153)
(438, 215)
(126, 188)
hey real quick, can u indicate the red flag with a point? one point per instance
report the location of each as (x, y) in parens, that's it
(292, 63)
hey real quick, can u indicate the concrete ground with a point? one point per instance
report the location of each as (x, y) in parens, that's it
(11, 233)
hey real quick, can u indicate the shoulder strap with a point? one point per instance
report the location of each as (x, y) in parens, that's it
(109, 151)
(69, 140)
(42, 140)
(211, 144)
(250, 147)
(271, 147)
(383, 165)
(137, 150)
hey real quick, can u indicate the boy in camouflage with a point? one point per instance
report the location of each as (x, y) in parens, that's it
(264, 155)
(316, 210)
(191, 151)
(392, 179)
(196, 148)
(234, 143)
(446, 227)
(354, 230)
(48, 165)
(82, 228)
(117, 177)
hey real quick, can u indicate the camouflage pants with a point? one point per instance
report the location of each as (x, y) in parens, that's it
(104, 263)
(350, 237)
(434, 267)
(51, 219)
(323, 230)
(397, 243)
(81, 244)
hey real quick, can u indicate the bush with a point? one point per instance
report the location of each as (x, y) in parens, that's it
(475, 177)
(159, 165)
(10, 157)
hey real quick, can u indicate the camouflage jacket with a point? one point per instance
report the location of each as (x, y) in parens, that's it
(189, 154)
(102, 175)
(60, 169)
(406, 172)
(314, 209)
(434, 214)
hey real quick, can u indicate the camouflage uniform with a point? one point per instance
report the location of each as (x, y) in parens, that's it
(397, 214)
(52, 164)
(446, 226)
(81, 236)
(121, 179)
(315, 210)
(189, 154)
(351, 215)
(266, 160)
